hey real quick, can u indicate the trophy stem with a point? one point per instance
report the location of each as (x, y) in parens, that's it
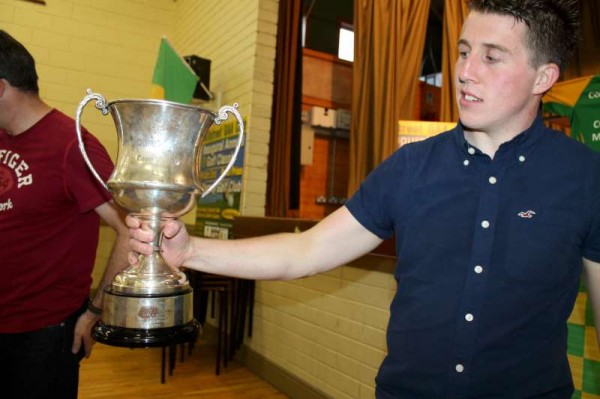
(154, 223)
(151, 275)
(154, 264)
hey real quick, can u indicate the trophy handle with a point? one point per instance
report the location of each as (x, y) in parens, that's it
(101, 105)
(222, 116)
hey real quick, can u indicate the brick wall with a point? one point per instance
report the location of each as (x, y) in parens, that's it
(327, 330)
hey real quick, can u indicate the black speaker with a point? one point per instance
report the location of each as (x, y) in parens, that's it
(201, 67)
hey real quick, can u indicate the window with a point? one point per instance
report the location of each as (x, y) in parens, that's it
(346, 43)
(303, 31)
(434, 79)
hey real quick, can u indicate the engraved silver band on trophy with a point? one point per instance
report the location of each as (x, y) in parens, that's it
(156, 177)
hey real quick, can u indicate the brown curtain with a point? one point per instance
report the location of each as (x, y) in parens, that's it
(388, 51)
(455, 13)
(285, 117)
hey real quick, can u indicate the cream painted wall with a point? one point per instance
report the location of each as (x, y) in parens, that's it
(327, 330)
(109, 46)
(239, 37)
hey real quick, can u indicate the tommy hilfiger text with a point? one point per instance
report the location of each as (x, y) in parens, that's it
(14, 161)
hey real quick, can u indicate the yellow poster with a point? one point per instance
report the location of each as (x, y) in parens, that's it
(411, 131)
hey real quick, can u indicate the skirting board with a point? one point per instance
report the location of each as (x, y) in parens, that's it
(275, 375)
(280, 378)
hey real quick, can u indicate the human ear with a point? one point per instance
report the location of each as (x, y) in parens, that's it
(547, 75)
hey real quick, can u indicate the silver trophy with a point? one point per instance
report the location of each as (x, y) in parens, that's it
(156, 177)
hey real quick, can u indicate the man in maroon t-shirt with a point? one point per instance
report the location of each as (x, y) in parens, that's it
(50, 210)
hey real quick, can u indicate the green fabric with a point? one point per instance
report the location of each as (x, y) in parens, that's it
(585, 120)
(556, 108)
(174, 75)
(576, 339)
(582, 349)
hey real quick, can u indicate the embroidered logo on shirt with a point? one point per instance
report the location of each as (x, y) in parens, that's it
(527, 214)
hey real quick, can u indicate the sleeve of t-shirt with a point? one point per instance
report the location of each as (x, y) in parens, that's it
(81, 184)
(372, 203)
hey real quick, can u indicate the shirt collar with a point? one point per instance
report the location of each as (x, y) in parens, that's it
(520, 146)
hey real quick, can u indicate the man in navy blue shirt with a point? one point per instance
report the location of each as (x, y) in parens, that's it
(494, 222)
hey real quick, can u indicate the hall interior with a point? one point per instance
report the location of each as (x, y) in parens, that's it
(325, 332)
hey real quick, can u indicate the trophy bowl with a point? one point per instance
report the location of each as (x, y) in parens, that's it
(157, 178)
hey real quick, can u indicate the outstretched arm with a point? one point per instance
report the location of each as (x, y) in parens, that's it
(334, 241)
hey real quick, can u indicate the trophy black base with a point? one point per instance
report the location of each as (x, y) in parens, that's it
(146, 338)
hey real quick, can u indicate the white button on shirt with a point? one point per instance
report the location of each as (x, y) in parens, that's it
(478, 269)
(492, 180)
(459, 368)
(485, 224)
(469, 317)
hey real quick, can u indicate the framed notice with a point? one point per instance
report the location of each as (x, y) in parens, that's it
(215, 211)
(410, 131)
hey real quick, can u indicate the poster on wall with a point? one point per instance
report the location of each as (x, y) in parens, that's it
(215, 211)
(411, 131)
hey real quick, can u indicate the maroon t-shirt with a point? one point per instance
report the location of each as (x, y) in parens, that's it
(48, 226)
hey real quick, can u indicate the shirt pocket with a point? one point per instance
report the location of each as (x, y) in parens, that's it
(543, 245)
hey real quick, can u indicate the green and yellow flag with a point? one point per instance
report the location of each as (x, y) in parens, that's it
(579, 100)
(173, 79)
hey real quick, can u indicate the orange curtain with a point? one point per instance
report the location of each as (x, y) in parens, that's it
(285, 117)
(388, 50)
(455, 13)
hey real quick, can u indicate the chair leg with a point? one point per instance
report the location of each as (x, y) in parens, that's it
(227, 299)
(163, 365)
(219, 332)
(172, 357)
(225, 332)
(212, 304)
(252, 288)
(236, 316)
(242, 306)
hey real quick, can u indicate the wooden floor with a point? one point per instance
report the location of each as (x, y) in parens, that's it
(123, 373)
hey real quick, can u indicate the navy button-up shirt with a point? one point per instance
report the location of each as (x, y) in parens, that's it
(489, 260)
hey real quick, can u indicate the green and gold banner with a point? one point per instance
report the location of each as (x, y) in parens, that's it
(215, 211)
(579, 101)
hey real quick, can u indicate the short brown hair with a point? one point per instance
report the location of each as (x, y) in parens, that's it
(554, 26)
